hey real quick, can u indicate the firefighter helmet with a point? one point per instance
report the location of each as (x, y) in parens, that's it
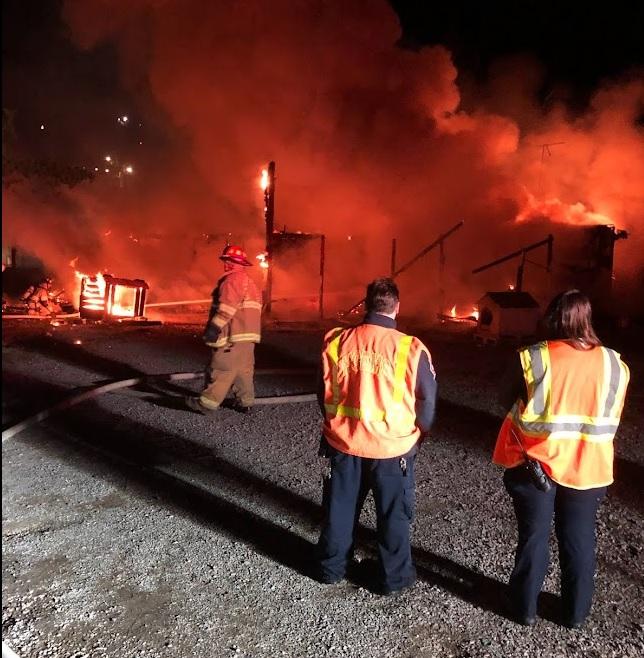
(234, 254)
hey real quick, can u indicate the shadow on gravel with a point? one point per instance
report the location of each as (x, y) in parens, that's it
(75, 355)
(133, 449)
(478, 430)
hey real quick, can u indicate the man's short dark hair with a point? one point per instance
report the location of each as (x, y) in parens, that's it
(382, 296)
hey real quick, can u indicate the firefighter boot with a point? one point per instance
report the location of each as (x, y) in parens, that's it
(195, 404)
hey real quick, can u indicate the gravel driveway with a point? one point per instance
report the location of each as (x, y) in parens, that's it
(133, 527)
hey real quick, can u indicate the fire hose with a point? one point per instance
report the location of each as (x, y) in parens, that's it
(6, 316)
(12, 431)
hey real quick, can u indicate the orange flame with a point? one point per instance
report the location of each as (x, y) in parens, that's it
(475, 313)
(263, 182)
(560, 212)
(121, 301)
(263, 263)
(92, 291)
(453, 311)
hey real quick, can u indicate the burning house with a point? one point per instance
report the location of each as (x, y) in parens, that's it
(571, 257)
(585, 257)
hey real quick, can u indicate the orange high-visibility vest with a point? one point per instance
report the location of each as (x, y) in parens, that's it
(575, 400)
(369, 379)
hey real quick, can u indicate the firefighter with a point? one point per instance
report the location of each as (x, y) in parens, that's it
(377, 394)
(233, 329)
(41, 299)
(566, 396)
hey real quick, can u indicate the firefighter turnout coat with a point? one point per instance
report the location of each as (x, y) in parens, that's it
(236, 309)
(369, 374)
(574, 403)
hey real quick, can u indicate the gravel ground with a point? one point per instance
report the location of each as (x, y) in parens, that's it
(132, 527)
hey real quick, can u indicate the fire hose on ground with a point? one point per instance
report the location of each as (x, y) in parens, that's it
(135, 381)
(12, 431)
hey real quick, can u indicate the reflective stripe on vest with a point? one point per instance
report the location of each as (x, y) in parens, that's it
(576, 449)
(400, 368)
(538, 418)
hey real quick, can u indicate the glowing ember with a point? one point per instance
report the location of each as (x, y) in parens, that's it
(263, 182)
(122, 301)
(453, 318)
(78, 342)
(510, 286)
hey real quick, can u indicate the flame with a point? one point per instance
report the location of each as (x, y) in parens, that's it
(92, 291)
(122, 301)
(263, 181)
(263, 262)
(453, 311)
(558, 211)
(475, 313)
(73, 261)
(510, 286)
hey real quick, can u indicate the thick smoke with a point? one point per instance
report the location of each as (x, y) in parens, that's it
(371, 142)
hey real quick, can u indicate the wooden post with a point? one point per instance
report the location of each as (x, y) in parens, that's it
(321, 299)
(269, 217)
(519, 285)
(441, 275)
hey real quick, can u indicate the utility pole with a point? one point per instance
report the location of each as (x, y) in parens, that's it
(268, 183)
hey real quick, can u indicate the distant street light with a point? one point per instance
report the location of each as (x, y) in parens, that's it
(117, 168)
(123, 119)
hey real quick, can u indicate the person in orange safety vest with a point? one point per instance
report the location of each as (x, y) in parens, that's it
(566, 396)
(377, 394)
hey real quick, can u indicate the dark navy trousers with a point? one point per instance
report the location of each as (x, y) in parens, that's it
(575, 513)
(393, 485)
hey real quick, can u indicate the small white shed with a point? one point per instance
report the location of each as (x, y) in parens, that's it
(507, 314)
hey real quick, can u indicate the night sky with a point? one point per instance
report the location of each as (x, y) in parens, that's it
(46, 79)
(578, 43)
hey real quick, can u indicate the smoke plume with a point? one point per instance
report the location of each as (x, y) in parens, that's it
(371, 142)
